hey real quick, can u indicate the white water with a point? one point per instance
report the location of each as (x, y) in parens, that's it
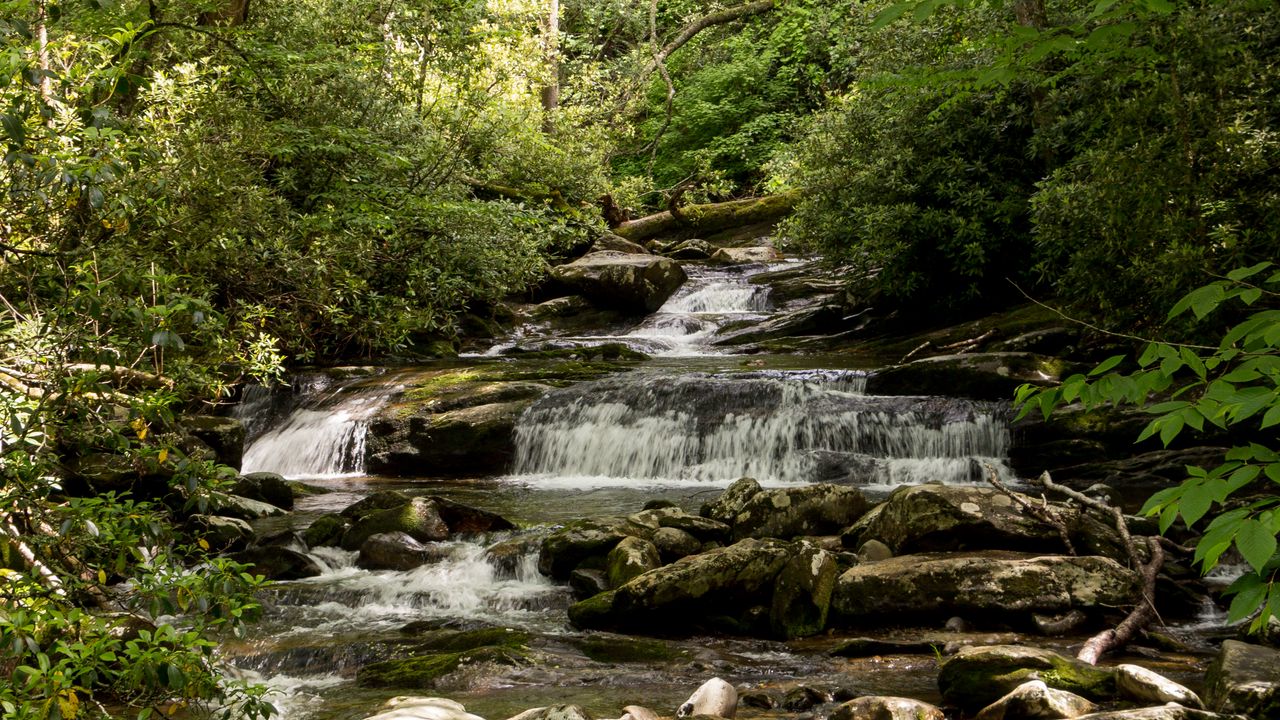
(776, 429)
(324, 436)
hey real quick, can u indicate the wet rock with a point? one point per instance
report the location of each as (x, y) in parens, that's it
(984, 583)
(878, 707)
(652, 518)
(948, 643)
(1244, 679)
(933, 518)
(979, 376)
(616, 243)
(608, 648)
(720, 589)
(381, 500)
(278, 563)
(587, 582)
(1146, 686)
(809, 510)
(978, 676)
(558, 307)
(757, 699)
(243, 507)
(673, 544)
(693, 249)
(715, 697)
(422, 708)
(803, 697)
(1166, 712)
(631, 557)
(468, 440)
(417, 518)
(726, 507)
(1034, 699)
(325, 530)
(395, 551)
(555, 712)
(466, 519)
(1058, 624)
(266, 487)
(802, 593)
(631, 282)
(224, 435)
(506, 556)
(425, 671)
(814, 320)
(745, 255)
(223, 534)
(571, 545)
(638, 712)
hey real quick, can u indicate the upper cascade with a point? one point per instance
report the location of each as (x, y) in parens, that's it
(776, 426)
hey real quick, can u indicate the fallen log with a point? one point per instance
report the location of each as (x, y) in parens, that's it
(709, 218)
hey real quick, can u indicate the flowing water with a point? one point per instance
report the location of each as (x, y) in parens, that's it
(672, 430)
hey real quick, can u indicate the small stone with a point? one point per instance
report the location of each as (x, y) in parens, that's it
(880, 707)
(1138, 683)
(874, 551)
(1034, 699)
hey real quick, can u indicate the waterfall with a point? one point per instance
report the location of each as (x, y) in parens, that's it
(775, 426)
(324, 434)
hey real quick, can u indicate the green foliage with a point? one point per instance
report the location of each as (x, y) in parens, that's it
(1234, 387)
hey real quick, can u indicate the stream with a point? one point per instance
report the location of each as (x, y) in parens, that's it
(679, 428)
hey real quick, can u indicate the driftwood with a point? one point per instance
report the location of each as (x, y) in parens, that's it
(709, 218)
(1041, 512)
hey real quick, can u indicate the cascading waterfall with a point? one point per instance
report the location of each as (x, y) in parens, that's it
(777, 427)
(324, 435)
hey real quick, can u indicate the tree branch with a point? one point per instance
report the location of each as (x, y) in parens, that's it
(702, 23)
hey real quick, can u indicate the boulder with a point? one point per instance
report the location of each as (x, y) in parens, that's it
(394, 551)
(422, 708)
(692, 249)
(588, 582)
(978, 676)
(714, 697)
(223, 534)
(266, 487)
(730, 502)
(554, 712)
(1034, 699)
(631, 282)
(224, 435)
(638, 712)
(610, 242)
(879, 707)
(631, 557)
(278, 563)
(1244, 679)
(582, 540)
(325, 530)
(809, 510)
(727, 589)
(1171, 711)
(992, 583)
(381, 500)
(745, 255)
(804, 697)
(467, 440)
(417, 518)
(673, 544)
(508, 556)
(934, 518)
(465, 519)
(802, 593)
(701, 528)
(819, 319)
(979, 376)
(243, 507)
(1146, 686)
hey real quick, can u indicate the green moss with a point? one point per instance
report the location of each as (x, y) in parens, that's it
(607, 351)
(423, 671)
(455, 641)
(593, 612)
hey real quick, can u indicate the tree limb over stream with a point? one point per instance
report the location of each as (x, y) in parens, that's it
(709, 218)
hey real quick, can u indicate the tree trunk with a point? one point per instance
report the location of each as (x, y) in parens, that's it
(551, 52)
(708, 219)
(42, 52)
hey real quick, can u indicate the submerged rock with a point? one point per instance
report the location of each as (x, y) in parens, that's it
(1244, 679)
(978, 676)
(982, 583)
(631, 282)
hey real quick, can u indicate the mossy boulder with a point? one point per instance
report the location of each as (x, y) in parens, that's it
(730, 502)
(821, 509)
(418, 518)
(975, 677)
(630, 282)
(802, 593)
(584, 540)
(266, 487)
(425, 671)
(934, 518)
(325, 530)
(631, 557)
(983, 583)
(395, 551)
(609, 648)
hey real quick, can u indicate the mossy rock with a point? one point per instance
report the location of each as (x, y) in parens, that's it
(424, 671)
(978, 676)
(607, 648)
(593, 611)
(325, 530)
(457, 641)
(607, 351)
(417, 518)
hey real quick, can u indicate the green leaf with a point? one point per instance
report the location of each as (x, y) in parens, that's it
(14, 128)
(1170, 430)
(1249, 591)
(1196, 501)
(1256, 543)
(889, 14)
(1272, 417)
(1244, 273)
(1106, 365)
